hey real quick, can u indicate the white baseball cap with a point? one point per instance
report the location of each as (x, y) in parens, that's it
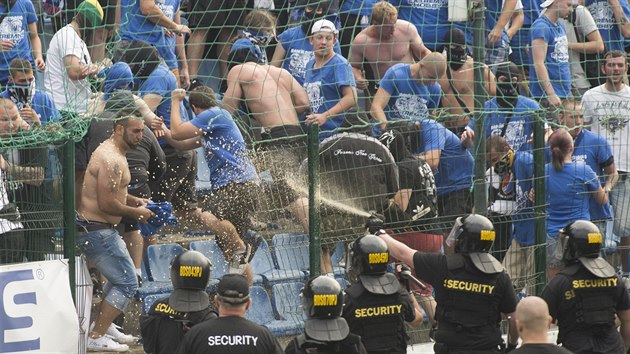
(324, 26)
(546, 3)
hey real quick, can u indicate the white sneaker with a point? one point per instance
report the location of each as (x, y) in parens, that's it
(114, 332)
(105, 344)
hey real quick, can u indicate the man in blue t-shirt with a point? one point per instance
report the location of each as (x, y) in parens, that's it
(550, 77)
(596, 152)
(294, 49)
(329, 81)
(155, 85)
(36, 107)
(409, 92)
(509, 114)
(452, 165)
(232, 175)
(150, 21)
(18, 36)
(611, 17)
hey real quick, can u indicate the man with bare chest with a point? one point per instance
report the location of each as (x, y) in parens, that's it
(104, 201)
(274, 99)
(387, 41)
(458, 83)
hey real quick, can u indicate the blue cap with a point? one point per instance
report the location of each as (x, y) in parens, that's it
(118, 76)
(246, 43)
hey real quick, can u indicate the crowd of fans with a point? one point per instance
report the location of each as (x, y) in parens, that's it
(390, 85)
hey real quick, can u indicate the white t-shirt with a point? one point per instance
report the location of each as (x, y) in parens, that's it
(5, 225)
(608, 113)
(67, 94)
(585, 25)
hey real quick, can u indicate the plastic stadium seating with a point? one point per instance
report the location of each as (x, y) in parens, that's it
(265, 271)
(211, 250)
(157, 274)
(291, 251)
(261, 312)
(287, 303)
(149, 300)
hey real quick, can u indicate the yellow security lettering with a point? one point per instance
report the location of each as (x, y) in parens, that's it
(594, 237)
(594, 283)
(378, 258)
(487, 235)
(190, 271)
(325, 300)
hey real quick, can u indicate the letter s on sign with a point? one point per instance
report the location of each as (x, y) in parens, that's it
(16, 323)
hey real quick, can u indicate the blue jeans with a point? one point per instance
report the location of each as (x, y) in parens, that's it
(107, 251)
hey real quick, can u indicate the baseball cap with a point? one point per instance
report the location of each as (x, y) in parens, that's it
(233, 289)
(546, 3)
(324, 26)
(92, 12)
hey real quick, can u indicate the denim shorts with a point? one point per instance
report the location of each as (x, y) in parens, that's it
(620, 202)
(107, 251)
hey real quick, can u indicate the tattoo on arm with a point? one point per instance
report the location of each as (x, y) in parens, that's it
(115, 177)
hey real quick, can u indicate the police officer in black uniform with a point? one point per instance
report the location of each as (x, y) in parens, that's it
(189, 304)
(376, 306)
(584, 297)
(472, 289)
(325, 331)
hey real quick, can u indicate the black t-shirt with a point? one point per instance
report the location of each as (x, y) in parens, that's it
(146, 160)
(163, 329)
(433, 269)
(563, 307)
(229, 335)
(357, 170)
(349, 345)
(542, 348)
(416, 174)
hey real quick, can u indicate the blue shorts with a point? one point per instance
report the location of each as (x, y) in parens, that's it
(107, 251)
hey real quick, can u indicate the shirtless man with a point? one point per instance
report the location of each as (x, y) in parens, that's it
(387, 41)
(458, 83)
(104, 201)
(274, 99)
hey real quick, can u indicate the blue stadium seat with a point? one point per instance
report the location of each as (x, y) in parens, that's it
(159, 259)
(156, 273)
(148, 301)
(291, 251)
(261, 312)
(202, 184)
(210, 249)
(338, 259)
(265, 271)
(287, 303)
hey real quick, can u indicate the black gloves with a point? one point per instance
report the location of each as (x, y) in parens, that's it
(374, 223)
